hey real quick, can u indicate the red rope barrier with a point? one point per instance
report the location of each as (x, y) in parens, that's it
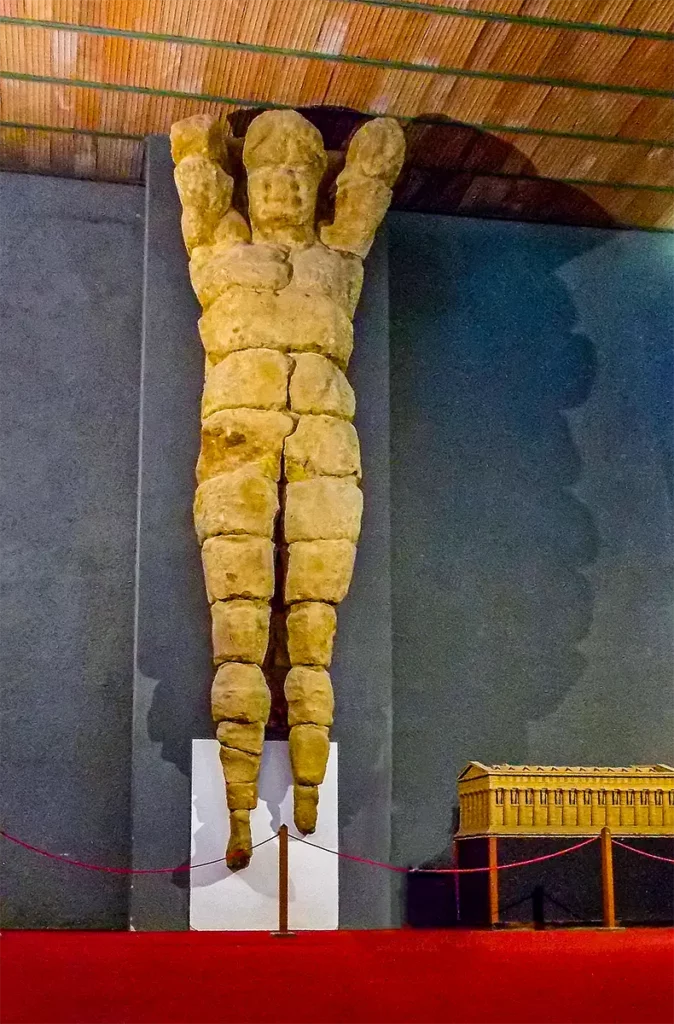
(116, 871)
(449, 871)
(644, 853)
(350, 856)
(71, 862)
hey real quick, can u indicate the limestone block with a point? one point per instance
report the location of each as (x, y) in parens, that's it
(238, 765)
(310, 633)
(318, 387)
(248, 736)
(238, 567)
(205, 192)
(321, 271)
(319, 570)
(252, 378)
(242, 796)
(363, 203)
(309, 695)
(322, 446)
(199, 135)
(373, 162)
(325, 508)
(216, 268)
(240, 631)
(243, 501)
(232, 438)
(305, 810)
(240, 693)
(289, 320)
(232, 229)
(309, 747)
(240, 845)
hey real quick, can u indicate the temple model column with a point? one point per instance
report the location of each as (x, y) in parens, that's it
(277, 434)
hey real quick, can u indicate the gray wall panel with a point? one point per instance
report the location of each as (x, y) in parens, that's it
(71, 274)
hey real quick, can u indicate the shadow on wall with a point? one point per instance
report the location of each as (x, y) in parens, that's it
(490, 542)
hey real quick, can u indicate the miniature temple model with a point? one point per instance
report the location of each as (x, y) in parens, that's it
(278, 503)
(536, 800)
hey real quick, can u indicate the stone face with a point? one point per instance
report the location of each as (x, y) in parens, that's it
(236, 437)
(290, 320)
(238, 765)
(325, 508)
(322, 446)
(243, 501)
(238, 567)
(252, 378)
(240, 693)
(309, 749)
(242, 736)
(318, 386)
(285, 160)
(309, 695)
(311, 631)
(319, 570)
(240, 631)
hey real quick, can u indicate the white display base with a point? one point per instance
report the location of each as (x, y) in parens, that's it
(222, 900)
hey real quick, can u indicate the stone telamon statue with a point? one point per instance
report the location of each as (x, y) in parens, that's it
(278, 504)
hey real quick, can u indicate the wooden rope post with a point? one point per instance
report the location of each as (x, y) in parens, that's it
(492, 860)
(607, 884)
(455, 880)
(283, 883)
(283, 879)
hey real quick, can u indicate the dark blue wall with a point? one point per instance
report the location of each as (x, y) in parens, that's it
(531, 403)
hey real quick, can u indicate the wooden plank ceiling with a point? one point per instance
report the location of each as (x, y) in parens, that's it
(556, 110)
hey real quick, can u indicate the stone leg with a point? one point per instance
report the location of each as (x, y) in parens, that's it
(235, 511)
(321, 523)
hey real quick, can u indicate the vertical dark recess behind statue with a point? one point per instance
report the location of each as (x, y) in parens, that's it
(173, 669)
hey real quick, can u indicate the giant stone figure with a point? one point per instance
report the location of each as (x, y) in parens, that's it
(278, 504)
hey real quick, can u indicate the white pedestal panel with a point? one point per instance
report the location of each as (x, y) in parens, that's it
(222, 900)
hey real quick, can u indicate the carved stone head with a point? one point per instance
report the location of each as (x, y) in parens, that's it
(285, 160)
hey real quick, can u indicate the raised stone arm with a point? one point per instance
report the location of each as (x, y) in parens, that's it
(278, 504)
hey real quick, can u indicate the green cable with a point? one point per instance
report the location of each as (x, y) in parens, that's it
(393, 65)
(439, 119)
(519, 19)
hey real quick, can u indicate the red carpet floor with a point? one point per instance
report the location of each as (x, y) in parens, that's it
(560, 977)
